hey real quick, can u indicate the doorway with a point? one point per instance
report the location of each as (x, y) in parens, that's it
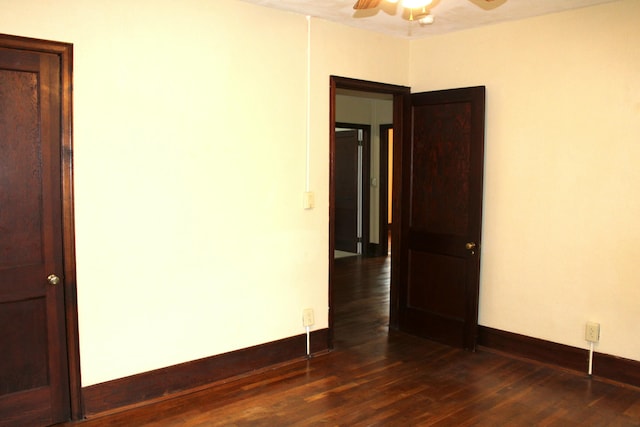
(368, 113)
(394, 96)
(436, 210)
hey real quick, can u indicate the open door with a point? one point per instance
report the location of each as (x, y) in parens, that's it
(438, 162)
(347, 183)
(439, 260)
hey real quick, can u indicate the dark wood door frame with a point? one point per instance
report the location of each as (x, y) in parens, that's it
(383, 222)
(65, 52)
(401, 104)
(366, 167)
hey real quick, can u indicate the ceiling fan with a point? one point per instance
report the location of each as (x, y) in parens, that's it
(408, 4)
(411, 5)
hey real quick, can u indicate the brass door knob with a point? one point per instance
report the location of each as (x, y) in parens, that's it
(53, 279)
(470, 246)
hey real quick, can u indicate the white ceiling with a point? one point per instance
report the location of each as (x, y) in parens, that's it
(450, 15)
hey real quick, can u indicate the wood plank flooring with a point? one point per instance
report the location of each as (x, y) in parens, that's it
(391, 379)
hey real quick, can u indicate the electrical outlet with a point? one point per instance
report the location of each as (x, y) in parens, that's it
(592, 332)
(307, 317)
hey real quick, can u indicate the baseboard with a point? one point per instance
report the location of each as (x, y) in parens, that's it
(577, 359)
(122, 392)
(617, 369)
(373, 249)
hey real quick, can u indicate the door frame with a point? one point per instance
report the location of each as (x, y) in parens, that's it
(401, 104)
(383, 226)
(65, 52)
(365, 208)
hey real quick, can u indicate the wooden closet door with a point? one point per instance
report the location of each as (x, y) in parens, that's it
(34, 377)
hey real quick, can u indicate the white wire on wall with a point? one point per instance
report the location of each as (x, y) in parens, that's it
(308, 130)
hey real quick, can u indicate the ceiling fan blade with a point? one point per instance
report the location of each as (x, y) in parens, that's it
(366, 4)
(488, 4)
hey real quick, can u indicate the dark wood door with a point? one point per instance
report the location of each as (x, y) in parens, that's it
(441, 216)
(34, 378)
(346, 191)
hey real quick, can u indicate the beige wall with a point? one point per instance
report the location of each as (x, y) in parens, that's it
(190, 168)
(562, 183)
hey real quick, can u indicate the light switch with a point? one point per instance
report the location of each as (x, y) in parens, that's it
(309, 200)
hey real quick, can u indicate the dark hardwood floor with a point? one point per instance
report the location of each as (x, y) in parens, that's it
(374, 377)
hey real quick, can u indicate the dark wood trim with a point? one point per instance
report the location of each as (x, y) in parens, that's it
(162, 383)
(576, 359)
(333, 83)
(65, 53)
(69, 239)
(368, 86)
(616, 369)
(533, 348)
(373, 249)
(401, 137)
(383, 215)
(401, 102)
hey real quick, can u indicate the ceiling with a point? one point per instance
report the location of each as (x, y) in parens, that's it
(450, 15)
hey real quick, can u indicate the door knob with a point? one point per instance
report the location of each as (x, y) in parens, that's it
(53, 279)
(471, 246)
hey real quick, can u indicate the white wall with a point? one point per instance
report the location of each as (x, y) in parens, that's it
(190, 167)
(562, 183)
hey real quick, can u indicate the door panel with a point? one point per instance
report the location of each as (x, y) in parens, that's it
(33, 362)
(439, 187)
(24, 361)
(442, 212)
(445, 295)
(346, 178)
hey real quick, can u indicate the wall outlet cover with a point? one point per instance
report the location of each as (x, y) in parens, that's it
(592, 332)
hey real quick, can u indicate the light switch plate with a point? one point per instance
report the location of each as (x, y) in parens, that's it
(309, 200)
